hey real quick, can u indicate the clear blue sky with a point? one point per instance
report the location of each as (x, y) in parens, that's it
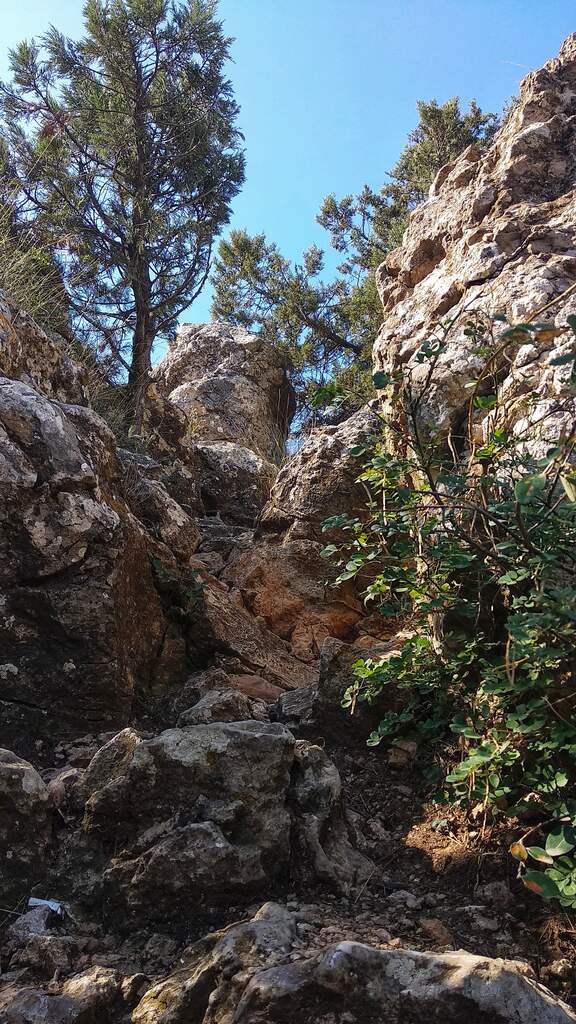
(328, 88)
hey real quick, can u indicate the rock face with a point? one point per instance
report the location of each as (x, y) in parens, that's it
(320, 479)
(224, 626)
(282, 577)
(199, 813)
(233, 390)
(82, 625)
(496, 236)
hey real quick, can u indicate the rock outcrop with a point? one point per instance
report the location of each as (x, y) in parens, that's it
(281, 576)
(82, 624)
(235, 395)
(320, 480)
(497, 236)
(28, 354)
(103, 600)
(177, 827)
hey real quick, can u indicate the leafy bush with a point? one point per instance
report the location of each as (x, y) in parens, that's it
(473, 547)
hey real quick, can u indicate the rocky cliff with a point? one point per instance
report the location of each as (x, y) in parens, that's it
(172, 649)
(497, 236)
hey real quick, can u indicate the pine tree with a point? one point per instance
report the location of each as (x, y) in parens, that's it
(328, 327)
(127, 156)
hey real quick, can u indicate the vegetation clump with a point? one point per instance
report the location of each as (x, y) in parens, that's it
(474, 549)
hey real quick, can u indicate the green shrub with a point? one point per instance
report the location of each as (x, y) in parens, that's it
(473, 547)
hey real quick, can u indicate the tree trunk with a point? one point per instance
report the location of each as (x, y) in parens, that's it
(143, 333)
(140, 367)
(138, 379)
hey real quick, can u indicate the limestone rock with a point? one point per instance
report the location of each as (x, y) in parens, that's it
(231, 385)
(288, 585)
(496, 236)
(45, 954)
(25, 827)
(322, 830)
(81, 625)
(222, 625)
(162, 516)
(28, 354)
(199, 815)
(178, 827)
(255, 686)
(364, 981)
(34, 922)
(235, 481)
(320, 479)
(244, 975)
(224, 706)
(221, 954)
(281, 576)
(232, 390)
(318, 710)
(96, 996)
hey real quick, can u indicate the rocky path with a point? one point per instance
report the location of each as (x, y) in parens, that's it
(191, 832)
(130, 934)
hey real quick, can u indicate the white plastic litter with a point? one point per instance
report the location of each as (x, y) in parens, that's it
(54, 905)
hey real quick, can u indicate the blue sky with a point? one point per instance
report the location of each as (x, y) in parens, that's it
(328, 88)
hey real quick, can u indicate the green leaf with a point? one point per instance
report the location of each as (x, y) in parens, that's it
(559, 841)
(539, 854)
(328, 551)
(514, 576)
(484, 401)
(541, 883)
(380, 379)
(529, 487)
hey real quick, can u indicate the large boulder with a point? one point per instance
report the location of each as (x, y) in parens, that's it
(496, 236)
(320, 479)
(215, 795)
(412, 987)
(231, 385)
(98, 995)
(82, 625)
(233, 392)
(179, 827)
(25, 827)
(246, 975)
(235, 481)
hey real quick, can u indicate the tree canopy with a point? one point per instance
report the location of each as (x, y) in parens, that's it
(328, 326)
(125, 157)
